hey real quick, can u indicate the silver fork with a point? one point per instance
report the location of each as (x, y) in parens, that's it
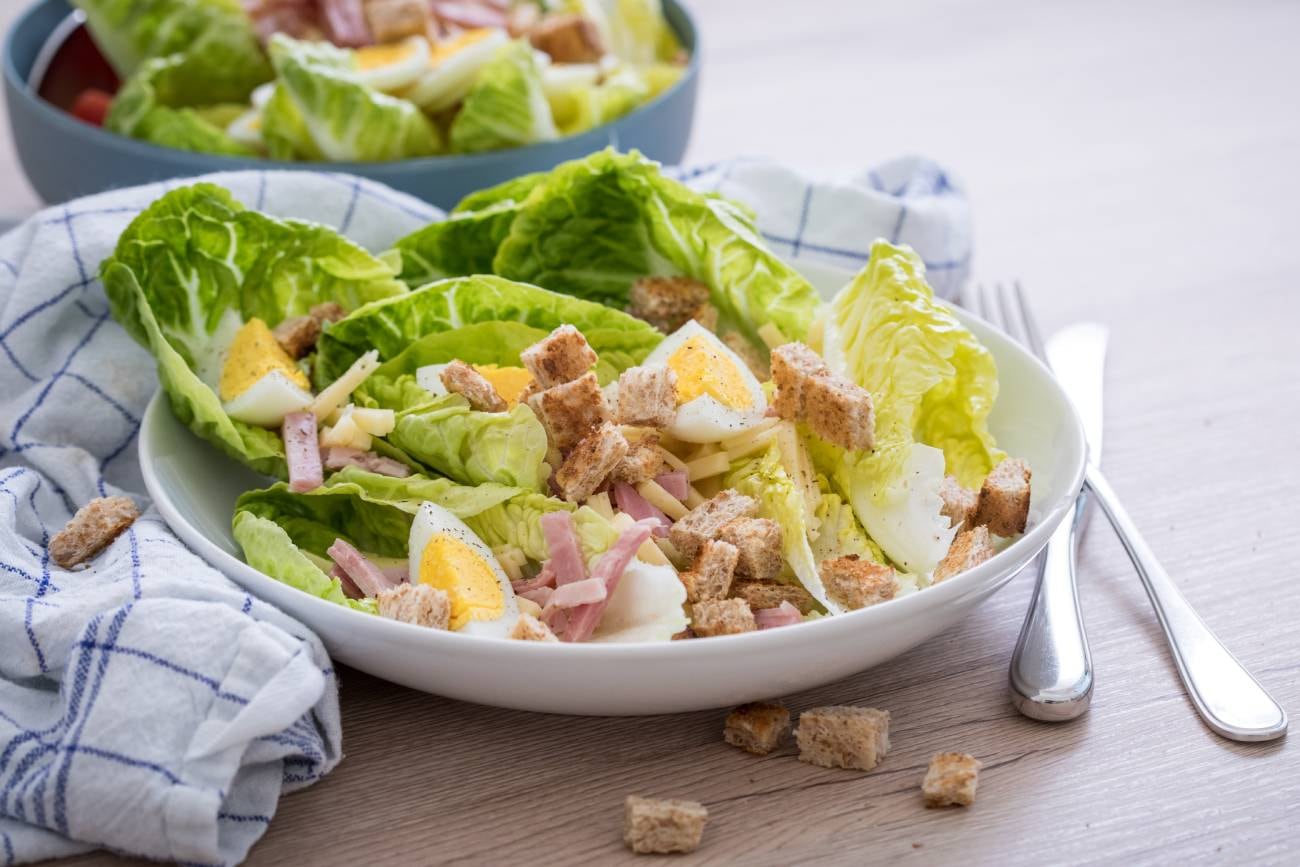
(1224, 693)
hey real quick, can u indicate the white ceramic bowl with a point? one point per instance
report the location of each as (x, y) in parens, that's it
(195, 489)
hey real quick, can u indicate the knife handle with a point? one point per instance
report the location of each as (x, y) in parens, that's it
(1227, 697)
(1051, 667)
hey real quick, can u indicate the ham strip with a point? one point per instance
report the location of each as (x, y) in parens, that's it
(350, 589)
(562, 544)
(469, 16)
(540, 595)
(338, 457)
(783, 615)
(367, 577)
(629, 500)
(345, 22)
(585, 592)
(545, 578)
(582, 621)
(301, 452)
(675, 483)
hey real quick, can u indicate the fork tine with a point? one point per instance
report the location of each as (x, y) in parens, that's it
(980, 303)
(1010, 318)
(1032, 334)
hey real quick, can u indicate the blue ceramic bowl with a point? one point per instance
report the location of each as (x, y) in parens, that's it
(65, 158)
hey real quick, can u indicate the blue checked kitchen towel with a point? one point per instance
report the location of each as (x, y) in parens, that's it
(147, 704)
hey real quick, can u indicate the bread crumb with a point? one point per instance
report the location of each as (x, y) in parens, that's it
(95, 526)
(951, 780)
(843, 737)
(757, 727)
(651, 825)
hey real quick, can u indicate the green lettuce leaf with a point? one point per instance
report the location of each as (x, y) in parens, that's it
(195, 265)
(392, 325)
(594, 226)
(269, 549)
(506, 106)
(464, 243)
(838, 532)
(933, 385)
(473, 448)
(586, 106)
(636, 31)
(517, 524)
(214, 41)
(150, 107)
(320, 110)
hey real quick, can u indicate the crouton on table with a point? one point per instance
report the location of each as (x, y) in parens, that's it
(571, 410)
(958, 502)
(706, 520)
(562, 356)
(459, 378)
(647, 396)
(711, 574)
(951, 780)
(421, 604)
(92, 529)
(968, 550)
(658, 826)
(758, 543)
(668, 303)
(770, 594)
(722, 617)
(843, 737)
(590, 463)
(857, 583)
(757, 727)
(1003, 503)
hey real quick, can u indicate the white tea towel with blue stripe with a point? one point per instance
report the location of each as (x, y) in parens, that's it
(147, 704)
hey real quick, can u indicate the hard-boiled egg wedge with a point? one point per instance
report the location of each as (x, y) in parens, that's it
(393, 66)
(509, 382)
(446, 554)
(717, 395)
(646, 606)
(260, 384)
(262, 94)
(452, 66)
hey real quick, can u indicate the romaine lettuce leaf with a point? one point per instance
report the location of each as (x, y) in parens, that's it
(473, 448)
(506, 106)
(320, 110)
(933, 386)
(517, 524)
(269, 549)
(191, 268)
(838, 532)
(636, 31)
(149, 107)
(582, 107)
(393, 325)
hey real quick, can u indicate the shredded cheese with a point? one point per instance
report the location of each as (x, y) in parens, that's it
(599, 503)
(662, 500)
(707, 466)
(671, 459)
(771, 335)
(376, 422)
(648, 552)
(740, 441)
(694, 498)
(337, 392)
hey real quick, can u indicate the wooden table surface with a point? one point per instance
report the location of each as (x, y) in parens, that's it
(1136, 164)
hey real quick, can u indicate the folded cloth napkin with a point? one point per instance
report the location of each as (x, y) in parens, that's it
(147, 704)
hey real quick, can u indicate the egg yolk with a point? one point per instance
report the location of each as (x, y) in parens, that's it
(377, 56)
(447, 47)
(252, 355)
(702, 369)
(509, 382)
(450, 565)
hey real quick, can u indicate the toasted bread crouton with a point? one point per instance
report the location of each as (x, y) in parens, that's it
(529, 628)
(856, 583)
(970, 548)
(421, 604)
(722, 617)
(642, 462)
(571, 410)
(653, 826)
(840, 412)
(958, 502)
(392, 20)
(951, 780)
(92, 529)
(711, 574)
(459, 378)
(706, 520)
(668, 303)
(770, 594)
(707, 315)
(758, 541)
(327, 311)
(590, 463)
(683, 635)
(1003, 503)
(843, 737)
(647, 396)
(568, 39)
(757, 727)
(562, 356)
(753, 359)
(297, 336)
(792, 366)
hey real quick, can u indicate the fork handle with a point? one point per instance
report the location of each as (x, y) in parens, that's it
(1227, 697)
(1051, 667)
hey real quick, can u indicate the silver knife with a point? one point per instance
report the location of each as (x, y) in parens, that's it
(1051, 668)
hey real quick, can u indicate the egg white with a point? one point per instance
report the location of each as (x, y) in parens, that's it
(705, 419)
(247, 128)
(429, 378)
(401, 72)
(442, 86)
(646, 606)
(266, 402)
(432, 520)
